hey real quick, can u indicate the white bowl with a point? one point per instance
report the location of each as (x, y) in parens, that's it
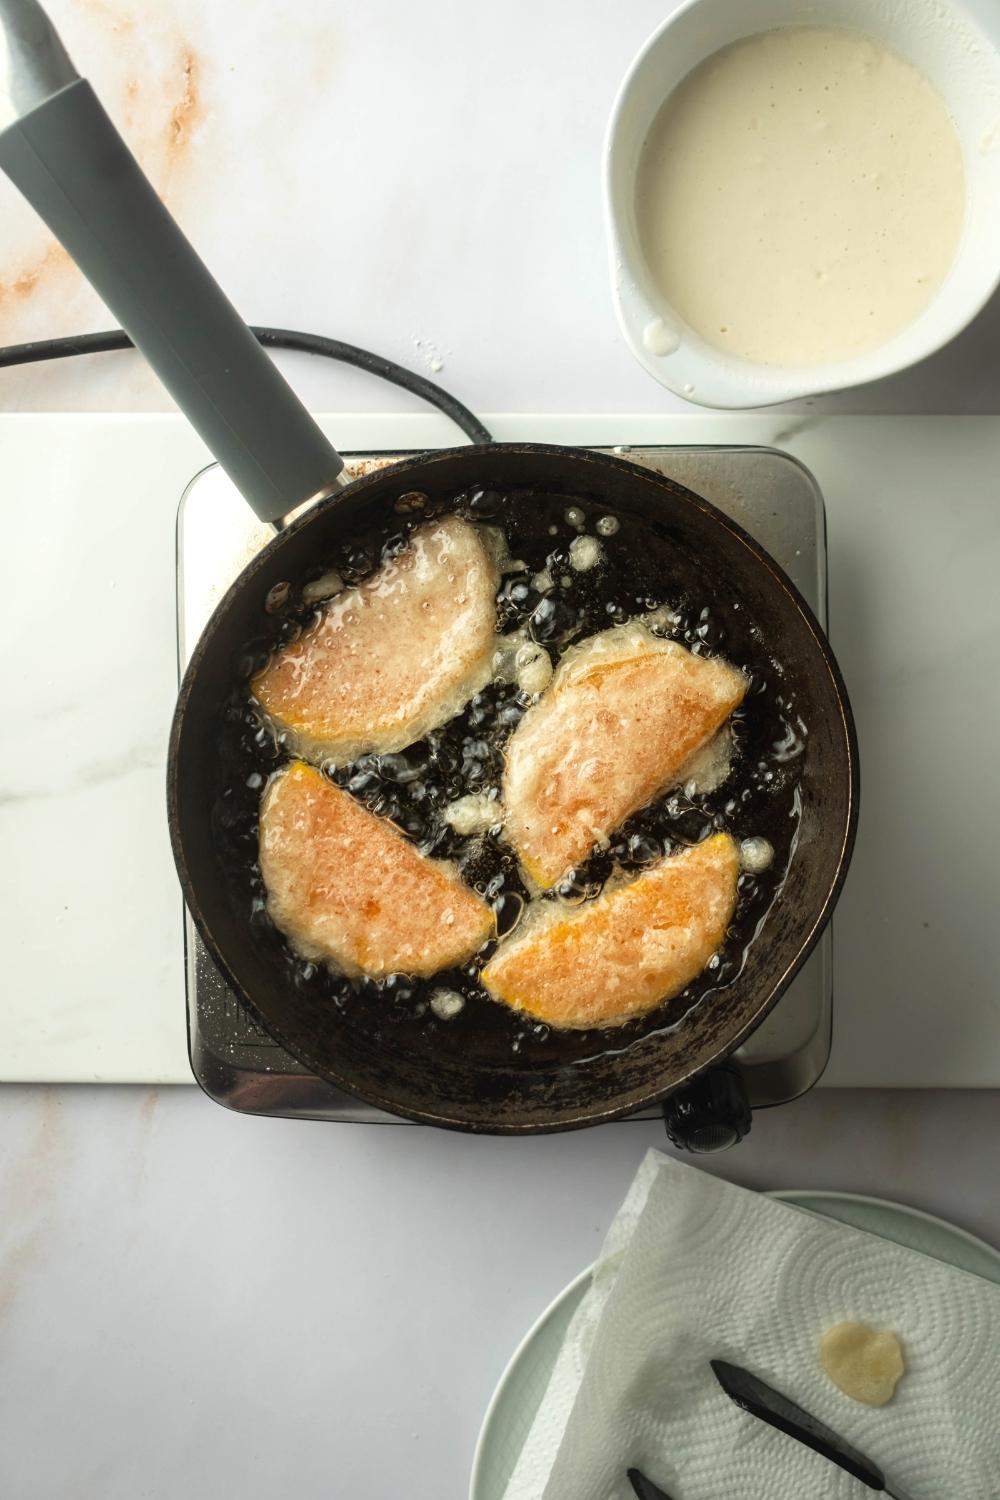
(954, 45)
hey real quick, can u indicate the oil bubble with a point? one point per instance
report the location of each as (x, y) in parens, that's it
(585, 552)
(756, 855)
(484, 503)
(552, 620)
(446, 1004)
(411, 503)
(277, 597)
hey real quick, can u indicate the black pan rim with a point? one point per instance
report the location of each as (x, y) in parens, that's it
(576, 1117)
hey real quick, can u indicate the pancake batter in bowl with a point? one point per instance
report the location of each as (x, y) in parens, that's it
(801, 196)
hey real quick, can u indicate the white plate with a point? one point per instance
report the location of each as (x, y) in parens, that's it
(522, 1384)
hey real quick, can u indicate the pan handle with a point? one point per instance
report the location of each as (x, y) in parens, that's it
(69, 161)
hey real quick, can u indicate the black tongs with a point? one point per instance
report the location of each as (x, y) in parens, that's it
(779, 1411)
(644, 1488)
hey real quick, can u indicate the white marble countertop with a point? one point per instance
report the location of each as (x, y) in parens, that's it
(424, 180)
(194, 1303)
(198, 1304)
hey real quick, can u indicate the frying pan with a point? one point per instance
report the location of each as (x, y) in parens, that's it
(68, 160)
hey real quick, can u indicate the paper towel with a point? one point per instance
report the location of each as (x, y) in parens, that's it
(695, 1268)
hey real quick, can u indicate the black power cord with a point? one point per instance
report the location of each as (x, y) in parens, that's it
(271, 338)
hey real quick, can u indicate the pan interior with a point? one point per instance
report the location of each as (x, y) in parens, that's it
(669, 557)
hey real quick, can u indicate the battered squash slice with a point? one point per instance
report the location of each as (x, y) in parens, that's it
(347, 888)
(393, 658)
(622, 714)
(625, 952)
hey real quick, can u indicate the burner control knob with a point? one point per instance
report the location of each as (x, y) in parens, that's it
(710, 1114)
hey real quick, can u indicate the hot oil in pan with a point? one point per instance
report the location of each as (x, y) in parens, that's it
(640, 572)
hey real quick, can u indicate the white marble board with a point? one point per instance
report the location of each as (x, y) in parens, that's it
(90, 913)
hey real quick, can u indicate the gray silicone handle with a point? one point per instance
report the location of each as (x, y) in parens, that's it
(71, 164)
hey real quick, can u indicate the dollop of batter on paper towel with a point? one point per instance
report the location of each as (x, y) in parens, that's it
(866, 1365)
